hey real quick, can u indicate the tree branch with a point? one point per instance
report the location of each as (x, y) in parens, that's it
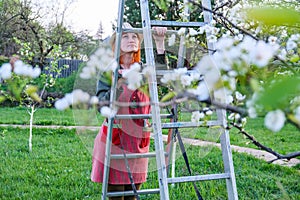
(265, 148)
(220, 15)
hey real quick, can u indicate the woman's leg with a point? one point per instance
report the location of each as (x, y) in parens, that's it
(115, 188)
(129, 187)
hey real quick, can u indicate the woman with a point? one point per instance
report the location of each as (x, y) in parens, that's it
(130, 136)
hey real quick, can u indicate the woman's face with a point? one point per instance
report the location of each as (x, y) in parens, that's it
(129, 42)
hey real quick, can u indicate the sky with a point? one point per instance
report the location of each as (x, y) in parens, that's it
(83, 14)
(87, 14)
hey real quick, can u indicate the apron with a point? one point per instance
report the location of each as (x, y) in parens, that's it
(128, 136)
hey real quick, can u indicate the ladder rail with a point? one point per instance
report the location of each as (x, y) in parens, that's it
(180, 64)
(221, 114)
(155, 109)
(112, 100)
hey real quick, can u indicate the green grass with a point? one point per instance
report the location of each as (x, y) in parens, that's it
(59, 168)
(47, 116)
(285, 141)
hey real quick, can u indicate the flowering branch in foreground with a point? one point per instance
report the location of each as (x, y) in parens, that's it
(17, 77)
(265, 148)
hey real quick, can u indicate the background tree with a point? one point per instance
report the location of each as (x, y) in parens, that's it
(28, 22)
(100, 32)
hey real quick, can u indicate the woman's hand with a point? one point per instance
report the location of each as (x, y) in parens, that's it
(159, 38)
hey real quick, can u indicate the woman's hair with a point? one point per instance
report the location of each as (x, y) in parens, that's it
(136, 55)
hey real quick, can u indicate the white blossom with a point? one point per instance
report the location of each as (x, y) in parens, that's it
(94, 100)
(224, 43)
(201, 91)
(167, 78)
(36, 72)
(297, 114)
(262, 53)
(133, 76)
(291, 45)
(80, 96)
(102, 60)
(248, 44)
(62, 104)
(232, 73)
(282, 54)
(195, 76)
(272, 40)
(237, 116)
(231, 116)
(87, 72)
(108, 112)
(196, 116)
(244, 120)
(69, 98)
(192, 32)
(180, 71)
(239, 96)
(208, 68)
(201, 30)
(23, 69)
(275, 120)
(215, 30)
(186, 80)
(209, 112)
(172, 40)
(239, 37)
(212, 38)
(148, 71)
(74, 98)
(5, 71)
(181, 31)
(207, 28)
(223, 95)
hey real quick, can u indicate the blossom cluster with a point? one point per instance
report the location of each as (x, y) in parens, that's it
(19, 68)
(76, 97)
(216, 74)
(101, 61)
(133, 76)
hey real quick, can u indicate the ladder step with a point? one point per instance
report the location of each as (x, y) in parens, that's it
(130, 193)
(142, 116)
(163, 72)
(199, 178)
(140, 30)
(189, 124)
(135, 155)
(176, 24)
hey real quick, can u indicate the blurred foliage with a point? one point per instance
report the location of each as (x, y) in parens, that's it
(274, 16)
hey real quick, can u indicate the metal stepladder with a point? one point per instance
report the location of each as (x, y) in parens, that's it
(156, 116)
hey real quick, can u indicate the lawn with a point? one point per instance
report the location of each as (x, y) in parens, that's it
(59, 166)
(285, 141)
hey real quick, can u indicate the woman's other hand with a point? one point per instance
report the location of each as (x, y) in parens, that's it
(159, 38)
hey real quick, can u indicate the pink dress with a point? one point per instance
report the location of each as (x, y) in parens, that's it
(130, 136)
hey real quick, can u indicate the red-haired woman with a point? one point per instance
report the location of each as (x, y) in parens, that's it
(129, 136)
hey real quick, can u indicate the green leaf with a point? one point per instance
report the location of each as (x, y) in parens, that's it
(278, 94)
(30, 89)
(162, 5)
(274, 16)
(168, 96)
(254, 83)
(294, 58)
(2, 99)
